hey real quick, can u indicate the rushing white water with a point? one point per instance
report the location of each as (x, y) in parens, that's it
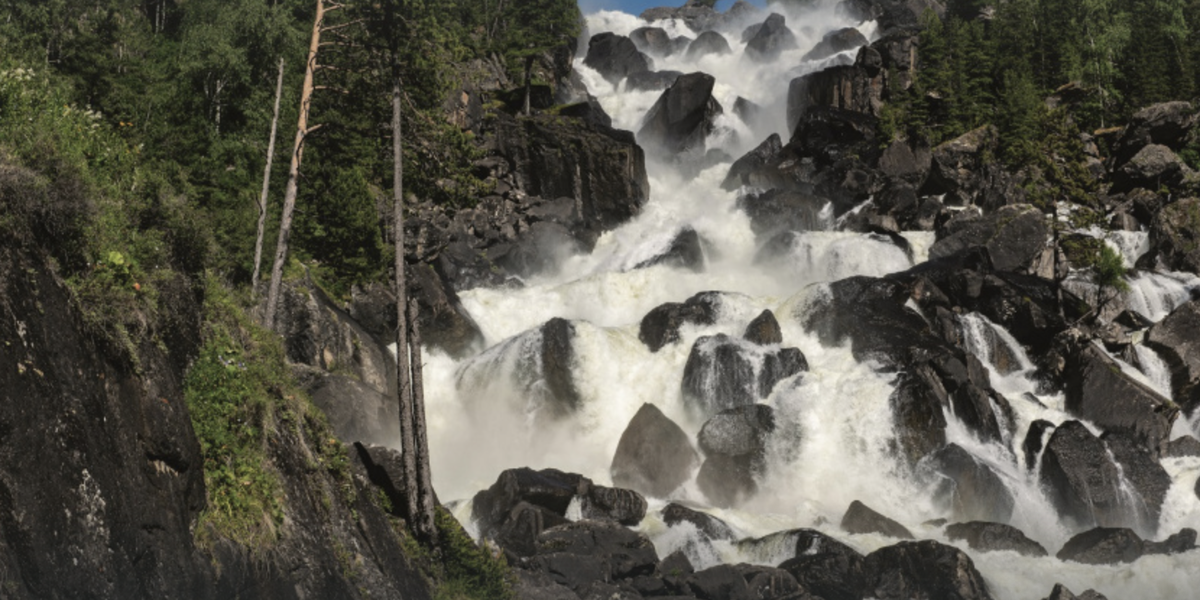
(486, 413)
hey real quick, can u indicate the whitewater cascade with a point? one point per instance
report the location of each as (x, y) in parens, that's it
(486, 412)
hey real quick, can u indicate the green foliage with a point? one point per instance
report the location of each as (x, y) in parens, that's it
(471, 572)
(233, 390)
(1109, 270)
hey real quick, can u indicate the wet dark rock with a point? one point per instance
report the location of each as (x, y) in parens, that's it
(727, 481)
(748, 111)
(971, 489)
(770, 582)
(764, 330)
(782, 210)
(661, 326)
(1182, 541)
(859, 518)
(444, 322)
(710, 526)
(536, 585)
(1175, 236)
(654, 456)
(994, 537)
(834, 42)
(1035, 440)
(1177, 341)
(685, 252)
(1060, 592)
(652, 40)
(900, 161)
(1142, 470)
(626, 507)
(549, 489)
(517, 533)
(577, 554)
(1014, 237)
(558, 357)
(771, 39)
(826, 567)
(738, 431)
(709, 42)
(1153, 167)
(651, 81)
(779, 366)
(722, 582)
(543, 247)
(698, 16)
(683, 116)
(1184, 446)
(1082, 482)
(676, 564)
(924, 569)
(742, 172)
(356, 411)
(1103, 546)
(718, 375)
(1097, 390)
(920, 422)
(590, 111)
(615, 57)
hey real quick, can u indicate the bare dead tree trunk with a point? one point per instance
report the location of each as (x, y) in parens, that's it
(426, 525)
(403, 387)
(289, 196)
(266, 187)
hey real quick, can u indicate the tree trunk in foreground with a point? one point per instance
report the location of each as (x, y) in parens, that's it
(266, 187)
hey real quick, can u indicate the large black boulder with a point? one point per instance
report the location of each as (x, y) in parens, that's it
(1081, 480)
(549, 488)
(1177, 340)
(709, 42)
(723, 372)
(1166, 123)
(860, 518)
(651, 81)
(654, 456)
(686, 251)
(683, 116)
(924, 569)
(1153, 167)
(1175, 235)
(738, 431)
(972, 489)
(744, 171)
(728, 481)
(1013, 235)
(778, 210)
(1061, 592)
(558, 357)
(718, 375)
(826, 567)
(1177, 543)
(1149, 480)
(710, 526)
(764, 330)
(994, 537)
(1099, 391)
(1103, 546)
(770, 40)
(652, 40)
(601, 503)
(580, 553)
(615, 57)
(661, 326)
(836, 41)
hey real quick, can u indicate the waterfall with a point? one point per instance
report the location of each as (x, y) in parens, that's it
(838, 443)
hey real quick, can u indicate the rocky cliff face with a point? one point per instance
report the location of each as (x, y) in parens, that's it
(102, 482)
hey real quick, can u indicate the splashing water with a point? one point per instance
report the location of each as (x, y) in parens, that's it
(485, 412)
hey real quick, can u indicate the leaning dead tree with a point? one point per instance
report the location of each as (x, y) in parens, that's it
(266, 186)
(303, 129)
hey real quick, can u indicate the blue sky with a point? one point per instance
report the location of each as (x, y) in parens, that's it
(636, 7)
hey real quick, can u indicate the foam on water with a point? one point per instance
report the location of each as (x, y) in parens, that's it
(486, 414)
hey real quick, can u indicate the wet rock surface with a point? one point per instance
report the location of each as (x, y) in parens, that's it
(994, 537)
(654, 455)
